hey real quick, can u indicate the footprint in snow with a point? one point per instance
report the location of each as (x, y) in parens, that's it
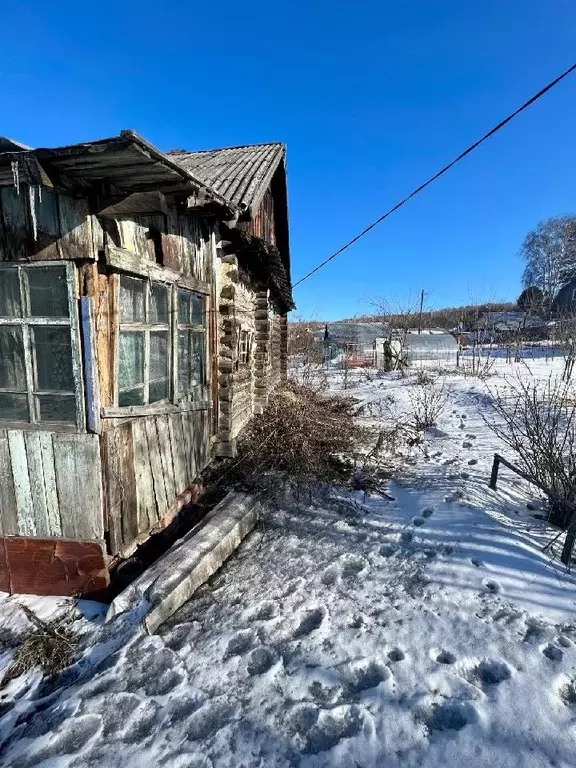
(445, 657)
(261, 660)
(564, 641)
(472, 462)
(466, 444)
(552, 652)
(310, 621)
(487, 673)
(477, 563)
(264, 611)
(428, 512)
(240, 643)
(450, 715)
(406, 536)
(395, 655)
(418, 521)
(567, 692)
(470, 436)
(363, 674)
(493, 587)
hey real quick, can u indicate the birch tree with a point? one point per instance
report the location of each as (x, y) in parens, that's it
(549, 255)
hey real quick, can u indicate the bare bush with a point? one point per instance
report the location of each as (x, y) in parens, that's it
(50, 646)
(427, 404)
(423, 377)
(304, 439)
(537, 420)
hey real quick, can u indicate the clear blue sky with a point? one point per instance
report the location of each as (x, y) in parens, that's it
(371, 97)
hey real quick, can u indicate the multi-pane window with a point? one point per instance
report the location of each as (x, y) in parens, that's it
(191, 343)
(244, 347)
(38, 345)
(144, 344)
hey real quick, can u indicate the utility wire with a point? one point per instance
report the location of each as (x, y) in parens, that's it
(471, 148)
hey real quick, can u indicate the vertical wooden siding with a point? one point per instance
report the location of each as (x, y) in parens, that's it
(147, 463)
(50, 485)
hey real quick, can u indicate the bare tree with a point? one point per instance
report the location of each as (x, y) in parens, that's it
(549, 254)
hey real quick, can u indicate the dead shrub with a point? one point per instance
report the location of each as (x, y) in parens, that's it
(50, 646)
(304, 438)
(423, 378)
(427, 403)
(537, 421)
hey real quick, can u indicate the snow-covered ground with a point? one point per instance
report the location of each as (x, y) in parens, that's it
(428, 630)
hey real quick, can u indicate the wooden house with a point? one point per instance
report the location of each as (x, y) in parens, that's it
(143, 302)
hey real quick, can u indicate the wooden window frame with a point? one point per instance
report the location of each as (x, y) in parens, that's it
(244, 347)
(147, 328)
(199, 393)
(199, 397)
(28, 322)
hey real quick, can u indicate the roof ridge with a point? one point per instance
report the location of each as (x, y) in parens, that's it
(223, 149)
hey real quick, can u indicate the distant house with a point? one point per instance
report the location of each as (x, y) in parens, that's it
(143, 321)
(509, 326)
(565, 301)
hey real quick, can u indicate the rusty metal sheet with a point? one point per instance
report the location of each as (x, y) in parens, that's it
(52, 566)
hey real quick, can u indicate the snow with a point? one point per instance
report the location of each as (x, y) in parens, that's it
(427, 630)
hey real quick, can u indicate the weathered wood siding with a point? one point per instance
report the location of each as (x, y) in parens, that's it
(263, 224)
(50, 485)
(46, 226)
(147, 462)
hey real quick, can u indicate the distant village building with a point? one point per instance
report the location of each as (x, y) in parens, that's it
(503, 327)
(355, 340)
(564, 303)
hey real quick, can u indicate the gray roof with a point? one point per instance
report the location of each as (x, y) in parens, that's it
(511, 321)
(356, 333)
(240, 174)
(429, 341)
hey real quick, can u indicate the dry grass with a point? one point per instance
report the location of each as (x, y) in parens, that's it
(50, 646)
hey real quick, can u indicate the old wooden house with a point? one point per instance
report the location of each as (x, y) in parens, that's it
(143, 301)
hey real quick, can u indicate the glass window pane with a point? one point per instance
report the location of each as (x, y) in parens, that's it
(197, 358)
(158, 390)
(131, 359)
(131, 397)
(13, 407)
(12, 371)
(57, 408)
(53, 355)
(131, 300)
(158, 303)
(48, 290)
(158, 355)
(197, 309)
(183, 306)
(10, 304)
(183, 361)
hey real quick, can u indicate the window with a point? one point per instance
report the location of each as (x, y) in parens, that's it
(144, 344)
(38, 345)
(191, 343)
(244, 348)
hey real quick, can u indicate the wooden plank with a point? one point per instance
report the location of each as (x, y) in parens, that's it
(92, 388)
(126, 261)
(166, 458)
(75, 229)
(47, 243)
(146, 501)
(52, 506)
(130, 528)
(178, 453)
(55, 567)
(111, 473)
(188, 446)
(24, 506)
(36, 477)
(154, 409)
(156, 466)
(15, 238)
(8, 513)
(78, 480)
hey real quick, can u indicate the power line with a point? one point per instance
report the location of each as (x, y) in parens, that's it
(471, 148)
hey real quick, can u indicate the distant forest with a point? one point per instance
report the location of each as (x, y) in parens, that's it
(447, 318)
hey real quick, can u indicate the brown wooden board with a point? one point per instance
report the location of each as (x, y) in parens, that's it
(130, 528)
(52, 566)
(14, 212)
(36, 477)
(162, 502)
(112, 490)
(76, 229)
(166, 457)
